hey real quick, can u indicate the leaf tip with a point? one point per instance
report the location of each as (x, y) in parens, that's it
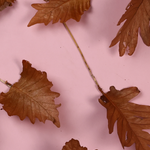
(30, 23)
(26, 63)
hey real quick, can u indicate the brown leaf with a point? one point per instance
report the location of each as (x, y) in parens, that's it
(73, 145)
(131, 118)
(31, 96)
(57, 10)
(137, 17)
(5, 3)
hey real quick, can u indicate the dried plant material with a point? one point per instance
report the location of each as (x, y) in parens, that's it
(5, 3)
(73, 145)
(136, 17)
(131, 118)
(56, 10)
(31, 96)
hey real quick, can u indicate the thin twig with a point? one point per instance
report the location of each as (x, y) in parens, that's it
(90, 71)
(6, 83)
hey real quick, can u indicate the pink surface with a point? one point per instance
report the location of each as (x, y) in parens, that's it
(50, 48)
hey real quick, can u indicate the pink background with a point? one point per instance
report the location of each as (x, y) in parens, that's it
(50, 48)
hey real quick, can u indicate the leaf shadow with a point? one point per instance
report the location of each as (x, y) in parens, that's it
(8, 10)
(18, 64)
(47, 145)
(109, 15)
(64, 122)
(84, 18)
(29, 12)
(98, 123)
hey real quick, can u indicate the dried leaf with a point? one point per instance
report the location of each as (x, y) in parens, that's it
(73, 145)
(137, 17)
(31, 96)
(5, 3)
(131, 118)
(57, 10)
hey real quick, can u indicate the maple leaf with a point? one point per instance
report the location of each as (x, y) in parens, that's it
(5, 3)
(57, 10)
(73, 145)
(131, 118)
(31, 96)
(137, 17)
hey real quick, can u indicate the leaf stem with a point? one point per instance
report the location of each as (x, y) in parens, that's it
(88, 67)
(6, 83)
